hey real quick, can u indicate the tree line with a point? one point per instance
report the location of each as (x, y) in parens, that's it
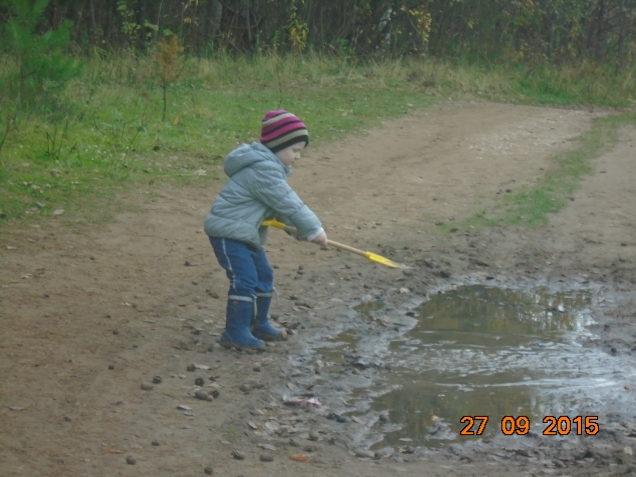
(492, 30)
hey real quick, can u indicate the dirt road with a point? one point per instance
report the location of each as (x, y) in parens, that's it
(88, 318)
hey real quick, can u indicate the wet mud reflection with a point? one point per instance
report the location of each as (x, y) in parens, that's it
(475, 351)
(485, 351)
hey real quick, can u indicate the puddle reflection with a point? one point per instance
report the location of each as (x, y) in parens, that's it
(487, 351)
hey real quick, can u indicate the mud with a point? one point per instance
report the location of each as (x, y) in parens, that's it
(89, 314)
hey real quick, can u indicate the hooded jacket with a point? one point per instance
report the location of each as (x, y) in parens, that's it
(257, 190)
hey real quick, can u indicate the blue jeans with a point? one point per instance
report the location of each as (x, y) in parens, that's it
(247, 268)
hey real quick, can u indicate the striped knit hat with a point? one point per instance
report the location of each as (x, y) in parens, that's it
(282, 129)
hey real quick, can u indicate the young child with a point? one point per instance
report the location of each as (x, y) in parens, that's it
(257, 190)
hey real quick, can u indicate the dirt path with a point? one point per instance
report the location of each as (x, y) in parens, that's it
(87, 318)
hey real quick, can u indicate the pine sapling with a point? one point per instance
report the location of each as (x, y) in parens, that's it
(169, 64)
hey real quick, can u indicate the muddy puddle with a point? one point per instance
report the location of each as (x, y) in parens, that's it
(408, 377)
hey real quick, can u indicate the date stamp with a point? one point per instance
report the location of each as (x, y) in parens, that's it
(510, 425)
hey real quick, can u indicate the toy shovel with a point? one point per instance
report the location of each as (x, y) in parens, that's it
(371, 256)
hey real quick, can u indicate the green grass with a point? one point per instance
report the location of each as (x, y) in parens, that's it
(531, 205)
(104, 134)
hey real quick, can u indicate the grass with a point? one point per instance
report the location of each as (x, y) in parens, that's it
(531, 205)
(105, 133)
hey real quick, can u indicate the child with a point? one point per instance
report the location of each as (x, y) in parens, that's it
(257, 190)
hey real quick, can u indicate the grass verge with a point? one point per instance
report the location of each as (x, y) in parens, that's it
(531, 205)
(105, 133)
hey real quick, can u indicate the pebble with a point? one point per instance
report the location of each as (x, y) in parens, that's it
(238, 455)
(115, 332)
(191, 367)
(131, 460)
(156, 443)
(147, 386)
(257, 369)
(313, 436)
(68, 418)
(157, 379)
(203, 396)
(309, 449)
(110, 366)
(199, 381)
(208, 470)
(215, 393)
(365, 454)
(266, 458)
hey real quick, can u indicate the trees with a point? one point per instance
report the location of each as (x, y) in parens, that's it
(554, 30)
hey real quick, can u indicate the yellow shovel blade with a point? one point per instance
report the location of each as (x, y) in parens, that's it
(380, 259)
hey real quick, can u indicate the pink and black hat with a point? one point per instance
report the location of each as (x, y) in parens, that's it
(281, 129)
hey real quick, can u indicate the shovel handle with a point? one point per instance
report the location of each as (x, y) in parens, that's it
(287, 228)
(347, 248)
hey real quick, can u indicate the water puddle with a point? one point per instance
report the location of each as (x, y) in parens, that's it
(480, 351)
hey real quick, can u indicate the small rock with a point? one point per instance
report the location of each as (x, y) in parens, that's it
(238, 455)
(157, 380)
(313, 436)
(293, 443)
(215, 393)
(202, 396)
(257, 369)
(68, 418)
(156, 443)
(199, 382)
(208, 470)
(131, 460)
(110, 366)
(191, 367)
(384, 417)
(341, 419)
(365, 454)
(266, 458)
(147, 386)
(115, 332)
(309, 449)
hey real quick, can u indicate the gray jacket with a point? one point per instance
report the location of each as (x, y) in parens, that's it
(257, 190)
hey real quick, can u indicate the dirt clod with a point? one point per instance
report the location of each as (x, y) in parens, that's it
(199, 382)
(208, 470)
(157, 379)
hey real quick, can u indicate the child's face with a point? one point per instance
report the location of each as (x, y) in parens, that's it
(290, 154)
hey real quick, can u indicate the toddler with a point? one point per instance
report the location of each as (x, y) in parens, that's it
(257, 190)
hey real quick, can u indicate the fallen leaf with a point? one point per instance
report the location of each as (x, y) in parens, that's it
(300, 458)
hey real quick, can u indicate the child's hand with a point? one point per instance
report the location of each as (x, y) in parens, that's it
(321, 240)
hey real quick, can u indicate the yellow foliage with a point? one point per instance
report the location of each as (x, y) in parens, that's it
(298, 31)
(168, 59)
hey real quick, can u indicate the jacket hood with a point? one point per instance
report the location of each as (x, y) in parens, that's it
(248, 154)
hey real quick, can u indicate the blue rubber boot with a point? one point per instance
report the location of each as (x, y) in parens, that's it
(237, 326)
(263, 328)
